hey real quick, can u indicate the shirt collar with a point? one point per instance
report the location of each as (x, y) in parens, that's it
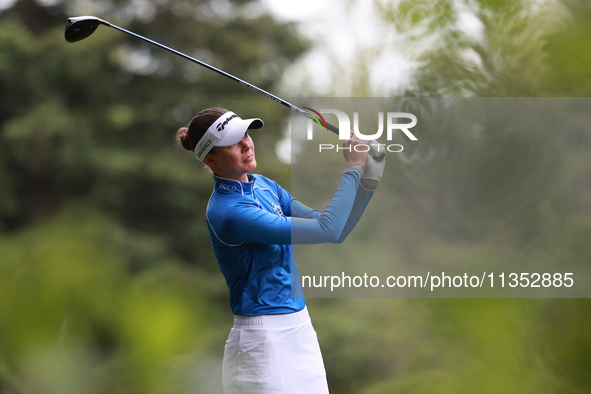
(233, 186)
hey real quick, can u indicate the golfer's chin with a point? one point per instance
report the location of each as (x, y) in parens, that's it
(250, 164)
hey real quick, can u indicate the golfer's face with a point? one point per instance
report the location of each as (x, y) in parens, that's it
(234, 162)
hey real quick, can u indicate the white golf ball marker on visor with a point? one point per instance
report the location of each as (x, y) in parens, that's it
(227, 130)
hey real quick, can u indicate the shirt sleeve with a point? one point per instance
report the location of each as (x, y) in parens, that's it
(249, 223)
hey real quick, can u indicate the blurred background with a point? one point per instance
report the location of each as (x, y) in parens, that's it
(107, 280)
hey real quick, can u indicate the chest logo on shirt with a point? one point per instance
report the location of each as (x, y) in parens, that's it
(277, 209)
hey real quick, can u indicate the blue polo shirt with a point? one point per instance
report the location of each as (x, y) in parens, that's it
(252, 227)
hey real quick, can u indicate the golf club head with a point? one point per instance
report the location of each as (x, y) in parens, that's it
(80, 27)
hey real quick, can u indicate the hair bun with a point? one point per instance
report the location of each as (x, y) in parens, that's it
(189, 136)
(182, 136)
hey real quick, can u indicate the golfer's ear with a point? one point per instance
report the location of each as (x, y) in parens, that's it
(209, 160)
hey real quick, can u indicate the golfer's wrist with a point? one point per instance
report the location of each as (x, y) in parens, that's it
(371, 183)
(360, 166)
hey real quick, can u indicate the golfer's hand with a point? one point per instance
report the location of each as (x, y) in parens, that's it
(355, 158)
(374, 169)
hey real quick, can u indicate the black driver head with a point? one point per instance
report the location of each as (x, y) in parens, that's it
(81, 27)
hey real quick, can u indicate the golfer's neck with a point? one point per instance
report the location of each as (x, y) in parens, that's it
(235, 177)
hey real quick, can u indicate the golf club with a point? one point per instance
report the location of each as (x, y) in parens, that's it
(78, 28)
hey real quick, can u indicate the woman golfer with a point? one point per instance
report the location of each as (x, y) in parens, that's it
(252, 221)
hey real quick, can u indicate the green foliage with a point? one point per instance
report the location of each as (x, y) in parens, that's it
(477, 48)
(454, 346)
(74, 319)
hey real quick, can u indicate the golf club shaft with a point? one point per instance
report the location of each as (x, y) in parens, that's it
(217, 70)
(374, 150)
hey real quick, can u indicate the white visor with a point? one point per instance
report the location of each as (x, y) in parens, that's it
(227, 130)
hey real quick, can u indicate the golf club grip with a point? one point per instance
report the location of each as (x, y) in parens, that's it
(374, 146)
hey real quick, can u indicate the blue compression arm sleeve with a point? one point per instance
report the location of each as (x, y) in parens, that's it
(364, 194)
(299, 210)
(247, 223)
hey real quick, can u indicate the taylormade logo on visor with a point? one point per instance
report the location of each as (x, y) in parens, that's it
(221, 126)
(214, 134)
(395, 122)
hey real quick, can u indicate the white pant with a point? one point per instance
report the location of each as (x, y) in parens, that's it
(273, 354)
